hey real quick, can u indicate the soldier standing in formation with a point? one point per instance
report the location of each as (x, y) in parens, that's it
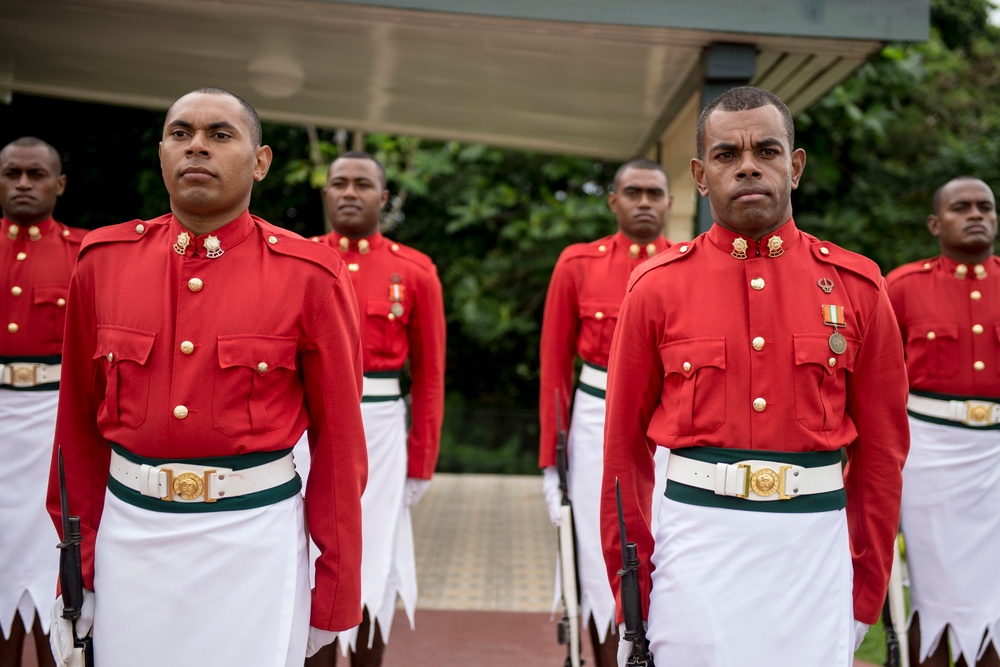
(402, 319)
(948, 309)
(581, 309)
(35, 267)
(205, 342)
(756, 353)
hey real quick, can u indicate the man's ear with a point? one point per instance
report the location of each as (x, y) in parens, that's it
(698, 174)
(934, 224)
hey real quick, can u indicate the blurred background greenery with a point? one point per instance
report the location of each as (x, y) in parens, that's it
(495, 220)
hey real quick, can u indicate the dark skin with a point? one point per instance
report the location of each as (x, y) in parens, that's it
(30, 182)
(12, 649)
(749, 170)
(641, 203)
(965, 224)
(965, 221)
(354, 196)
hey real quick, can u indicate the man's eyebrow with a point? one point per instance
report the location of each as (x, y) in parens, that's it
(724, 146)
(218, 125)
(768, 142)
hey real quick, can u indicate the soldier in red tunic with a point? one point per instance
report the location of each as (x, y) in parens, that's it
(949, 314)
(756, 353)
(204, 343)
(402, 321)
(581, 310)
(35, 266)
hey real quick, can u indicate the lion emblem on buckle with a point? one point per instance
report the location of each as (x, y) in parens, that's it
(764, 482)
(188, 486)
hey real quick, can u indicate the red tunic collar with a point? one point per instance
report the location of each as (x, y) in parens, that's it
(361, 246)
(14, 231)
(741, 246)
(213, 244)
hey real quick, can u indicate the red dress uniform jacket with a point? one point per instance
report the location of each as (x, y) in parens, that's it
(581, 310)
(949, 315)
(257, 344)
(702, 334)
(36, 262)
(384, 274)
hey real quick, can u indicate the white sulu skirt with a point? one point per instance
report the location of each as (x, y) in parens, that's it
(223, 588)
(736, 588)
(29, 559)
(950, 519)
(388, 562)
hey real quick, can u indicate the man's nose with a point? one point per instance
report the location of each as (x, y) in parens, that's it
(23, 182)
(199, 144)
(748, 167)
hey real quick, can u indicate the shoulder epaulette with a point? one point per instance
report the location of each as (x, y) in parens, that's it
(675, 253)
(72, 235)
(422, 260)
(920, 266)
(292, 245)
(597, 248)
(126, 232)
(830, 253)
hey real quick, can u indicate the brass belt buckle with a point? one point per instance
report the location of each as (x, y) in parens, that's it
(187, 485)
(977, 413)
(23, 375)
(765, 482)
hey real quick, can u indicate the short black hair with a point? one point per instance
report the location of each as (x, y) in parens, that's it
(249, 113)
(936, 199)
(32, 142)
(743, 98)
(364, 155)
(640, 163)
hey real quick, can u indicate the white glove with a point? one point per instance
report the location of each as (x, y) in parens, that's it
(553, 496)
(415, 490)
(61, 630)
(318, 639)
(860, 630)
(624, 646)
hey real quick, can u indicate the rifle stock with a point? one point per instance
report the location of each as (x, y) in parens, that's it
(71, 574)
(630, 595)
(569, 626)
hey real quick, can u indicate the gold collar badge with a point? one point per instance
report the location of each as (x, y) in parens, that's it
(364, 246)
(633, 251)
(213, 247)
(650, 249)
(961, 271)
(344, 243)
(980, 272)
(774, 248)
(739, 248)
(34, 233)
(13, 231)
(182, 243)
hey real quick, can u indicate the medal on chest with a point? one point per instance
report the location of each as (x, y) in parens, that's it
(833, 316)
(396, 293)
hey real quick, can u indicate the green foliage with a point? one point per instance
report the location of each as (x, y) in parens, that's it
(907, 121)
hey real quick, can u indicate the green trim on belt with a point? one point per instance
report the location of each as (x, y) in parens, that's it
(237, 462)
(593, 391)
(382, 375)
(246, 502)
(380, 399)
(817, 502)
(941, 421)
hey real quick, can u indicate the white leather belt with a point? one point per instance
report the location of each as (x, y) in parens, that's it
(189, 483)
(970, 412)
(27, 374)
(380, 387)
(755, 480)
(594, 377)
